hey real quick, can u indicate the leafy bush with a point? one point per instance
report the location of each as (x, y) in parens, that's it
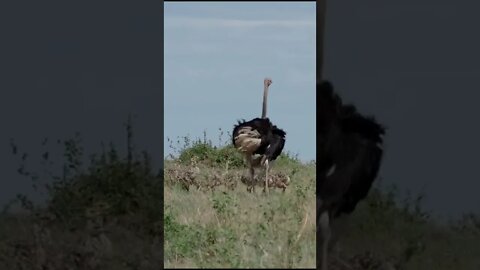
(205, 151)
(112, 201)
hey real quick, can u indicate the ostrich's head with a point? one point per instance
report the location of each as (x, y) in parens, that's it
(267, 82)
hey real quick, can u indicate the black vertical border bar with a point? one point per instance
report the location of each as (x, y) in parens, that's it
(321, 7)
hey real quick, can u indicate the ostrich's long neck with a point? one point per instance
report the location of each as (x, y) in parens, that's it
(265, 96)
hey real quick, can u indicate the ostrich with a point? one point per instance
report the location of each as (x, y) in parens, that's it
(350, 153)
(261, 138)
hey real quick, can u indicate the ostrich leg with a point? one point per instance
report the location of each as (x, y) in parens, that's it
(252, 174)
(252, 179)
(324, 221)
(266, 176)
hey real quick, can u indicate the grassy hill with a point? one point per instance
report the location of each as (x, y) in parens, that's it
(212, 221)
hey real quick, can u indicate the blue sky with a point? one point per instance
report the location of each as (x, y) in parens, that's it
(216, 57)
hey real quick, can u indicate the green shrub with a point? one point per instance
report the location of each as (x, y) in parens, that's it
(203, 150)
(123, 185)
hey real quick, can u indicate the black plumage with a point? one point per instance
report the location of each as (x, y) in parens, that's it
(272, 138)
(350, 150)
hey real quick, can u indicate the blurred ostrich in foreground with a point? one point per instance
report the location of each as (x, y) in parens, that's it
(350, 149)
(259, 140)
